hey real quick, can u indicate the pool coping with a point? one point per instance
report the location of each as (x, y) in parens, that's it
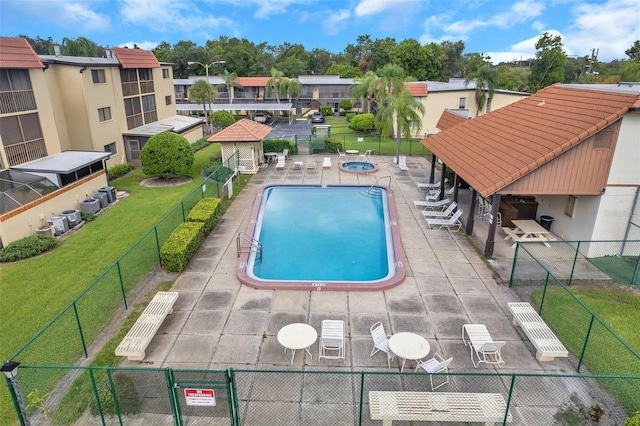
(383, 284)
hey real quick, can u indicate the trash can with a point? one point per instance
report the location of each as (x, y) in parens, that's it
(545, 222)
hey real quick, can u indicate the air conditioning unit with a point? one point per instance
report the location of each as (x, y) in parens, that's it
(73, 217)
(59, 223)
(90, 205)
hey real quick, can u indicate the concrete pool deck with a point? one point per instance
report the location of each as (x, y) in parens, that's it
(219, 323)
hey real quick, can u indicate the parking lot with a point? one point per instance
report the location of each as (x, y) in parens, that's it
(283, 130)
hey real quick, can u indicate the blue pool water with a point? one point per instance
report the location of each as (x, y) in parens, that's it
(322, 235)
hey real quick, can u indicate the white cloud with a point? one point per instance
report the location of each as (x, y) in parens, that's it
(334, 21)
(522, 50)
(374, 7)
(79, 14)
(371, 7)
(611, 27)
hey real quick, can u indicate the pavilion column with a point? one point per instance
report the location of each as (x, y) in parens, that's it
(470, 214)
(491, 235)
(433, 168)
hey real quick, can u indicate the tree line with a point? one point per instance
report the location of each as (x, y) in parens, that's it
(420, 62)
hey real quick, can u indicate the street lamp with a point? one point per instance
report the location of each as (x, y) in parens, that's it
(10, 370)
(206, 66)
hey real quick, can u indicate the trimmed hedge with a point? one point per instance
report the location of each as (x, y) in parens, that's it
(206, 211)
(27, 247)
(326, 110)
(362, 122)
(350, 116)
(181, 245)
(278, 145)
(199, 144)
(119, 170)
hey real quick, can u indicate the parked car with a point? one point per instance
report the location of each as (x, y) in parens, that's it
(260, 117)
(317, 117)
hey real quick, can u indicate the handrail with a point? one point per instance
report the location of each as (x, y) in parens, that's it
(378, 180)
(254, 245)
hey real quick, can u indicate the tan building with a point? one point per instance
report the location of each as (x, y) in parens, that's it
(65, 120)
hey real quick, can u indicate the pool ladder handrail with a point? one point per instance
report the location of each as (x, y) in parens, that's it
(254, 245)
(378, 180)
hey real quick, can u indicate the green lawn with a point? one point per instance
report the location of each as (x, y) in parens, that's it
(619, 309)
(35, 290)
(620, 268)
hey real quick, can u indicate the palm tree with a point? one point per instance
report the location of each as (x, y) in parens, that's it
(229, 82)
(274, 83)
(403, 110)
(291, 88)
(486, 82)
(365, 88)
(390, 80)
(80, 46)
(203, 93)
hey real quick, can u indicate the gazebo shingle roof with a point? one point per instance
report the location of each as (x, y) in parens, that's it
(242, 131)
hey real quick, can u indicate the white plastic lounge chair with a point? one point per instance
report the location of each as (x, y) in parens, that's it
(445, 222)
(326, 163)
(332, 339)
(342, 155)
(280, 163)
(437, 364)
(431, 205)
(482, 345)
(311, 165)
(443, 214)
(297, 165)
(381, 342)
(434, 185)
(432, 196)
(285, 152)
(402, 163)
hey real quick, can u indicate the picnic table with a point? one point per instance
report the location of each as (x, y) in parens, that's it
(528, 230)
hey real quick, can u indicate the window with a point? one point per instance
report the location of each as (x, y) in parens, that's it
(98, 76)
(111, 147)
(146, 80)
(165, 72)
(571, 205)
(149, 108)
(167, 100)
(22, 138)
(133, 112)
(104, 114)
(15, 88)
(129, 79)
(462, 103)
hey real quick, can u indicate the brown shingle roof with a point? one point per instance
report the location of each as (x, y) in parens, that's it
(242, 131)
(496, 149)
(253, 81)
(135, 58)
(449, 119)
(418, 89)
(16, 52)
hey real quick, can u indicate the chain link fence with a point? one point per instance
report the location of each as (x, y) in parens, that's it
(139, 396)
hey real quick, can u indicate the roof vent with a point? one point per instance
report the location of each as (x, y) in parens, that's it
(56, 50)
(107, 53)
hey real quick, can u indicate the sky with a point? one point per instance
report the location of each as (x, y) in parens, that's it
(504, 30)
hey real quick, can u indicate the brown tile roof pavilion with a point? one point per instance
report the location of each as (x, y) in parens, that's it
(135, 58)
(448, 119)
(16, 52)
(493, 151)
(242, 131)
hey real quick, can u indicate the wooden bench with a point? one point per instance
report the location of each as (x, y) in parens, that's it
(388, 406)
(547, 345)
(138, 338)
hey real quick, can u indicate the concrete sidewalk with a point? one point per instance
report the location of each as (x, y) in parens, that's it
(218, 323)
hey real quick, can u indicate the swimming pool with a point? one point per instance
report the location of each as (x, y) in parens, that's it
(314, 237)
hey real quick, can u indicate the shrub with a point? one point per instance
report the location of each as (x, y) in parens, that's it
(88, 217)
(633, 420)
(179, 248)
(345, 104)
(126, 392)
(362, 122)
(27, 247)
(221, 119)
(326, 110)
(350, 116)
(119, 170)
(199, 144)
(205, 211)
(278, 145)
(167, 154)
(332, 145)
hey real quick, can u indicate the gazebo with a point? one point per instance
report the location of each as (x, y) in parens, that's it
(245, 137)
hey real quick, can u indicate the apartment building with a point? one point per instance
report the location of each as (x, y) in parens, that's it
(65, 120)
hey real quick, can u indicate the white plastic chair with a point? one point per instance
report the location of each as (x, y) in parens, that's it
(332, 339)
(437, 364)
(342, 155)
(402, 163)
(381, 342)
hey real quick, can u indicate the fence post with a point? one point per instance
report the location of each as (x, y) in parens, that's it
(506, 411)
(575, 259)
(96, 394)
(235, 415)
(173, 397)
(184, 217)
(84, 345)
(124, 293)
(361, 397)
(544, 293)
(114, 395)
(155, 230)
(586, 340)
(513, 266)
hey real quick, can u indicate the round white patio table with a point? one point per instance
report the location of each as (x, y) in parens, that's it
(297, 336)
(409, 346)
(352, 153)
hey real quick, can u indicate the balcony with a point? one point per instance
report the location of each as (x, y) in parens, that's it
(25, 151)
(16, 101)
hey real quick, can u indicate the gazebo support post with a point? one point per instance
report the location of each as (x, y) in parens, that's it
(470, 216)
(442, 178)
(491, 235)
(433, 168)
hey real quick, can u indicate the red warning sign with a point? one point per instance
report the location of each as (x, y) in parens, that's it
(200, 397)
